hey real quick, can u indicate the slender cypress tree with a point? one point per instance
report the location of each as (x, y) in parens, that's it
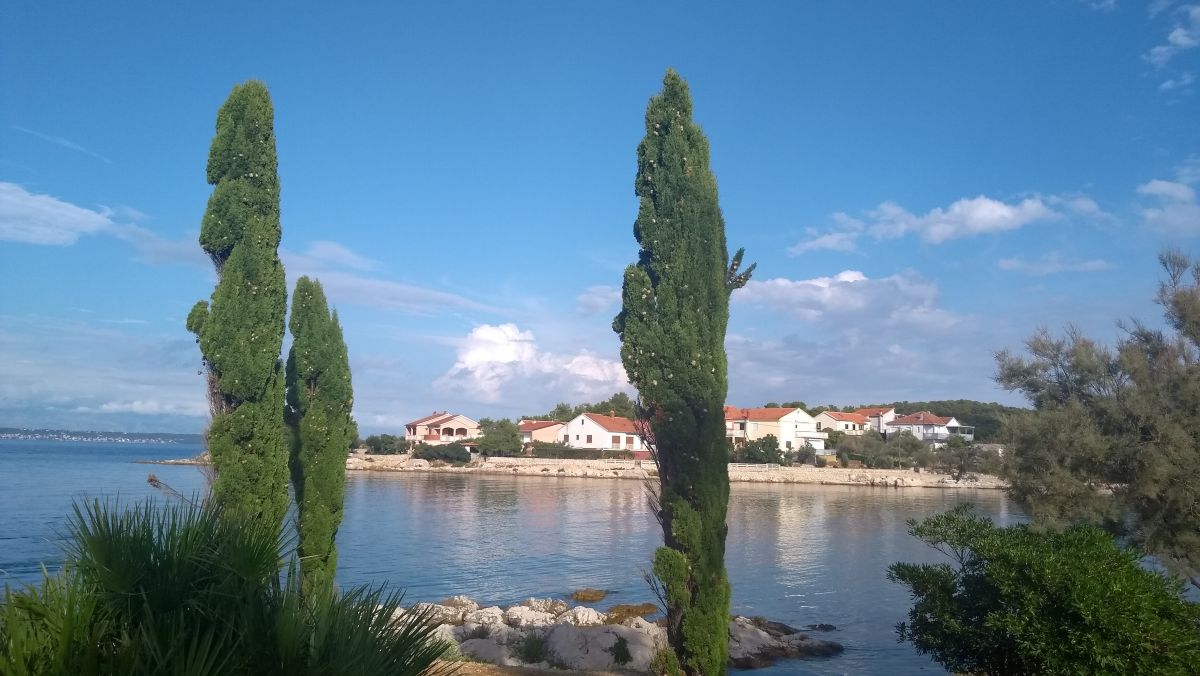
(672, 327)
(241, 331)
(319, 398)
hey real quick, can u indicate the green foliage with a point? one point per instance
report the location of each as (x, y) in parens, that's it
(531, 648)
(194, 590)
(545, 449)
(500, 437)
(675, 309)
(319, 400)
(620, 652)
(619, 405)
(240, 331)
(1115, 438)
(451, 452)
(760, 451)
(1019, 601)
(387, 444)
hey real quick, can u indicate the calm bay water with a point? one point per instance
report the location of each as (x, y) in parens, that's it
(798, 554)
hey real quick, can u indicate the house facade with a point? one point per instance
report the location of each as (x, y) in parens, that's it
(851, 424)
(931, 428)
(441, 428)
(603, 433)
(791, 426)
(878, 417)
(548, 431)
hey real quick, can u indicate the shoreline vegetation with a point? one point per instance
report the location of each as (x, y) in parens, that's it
(644, 469)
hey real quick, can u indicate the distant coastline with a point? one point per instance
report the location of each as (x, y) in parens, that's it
(33, 434)
(601, 469)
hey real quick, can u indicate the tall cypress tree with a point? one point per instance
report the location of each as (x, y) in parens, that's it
(241, 331)
(319, 397)
(672, 327)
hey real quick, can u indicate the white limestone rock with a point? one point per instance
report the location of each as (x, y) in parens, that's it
(460, 601)
(594, 648)
(488, 650)
(417, 463)
(581, 616)
(439, 614)
(553, 606)
(490, 615)
(524, 618)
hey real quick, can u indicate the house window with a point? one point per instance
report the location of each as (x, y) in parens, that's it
(576, 437)
(789, 445)
(628, 442)
(616, 441)
(819, 426)
(589, 438)
(566, 438)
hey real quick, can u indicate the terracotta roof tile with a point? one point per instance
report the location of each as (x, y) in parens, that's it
(874, 411)
(847, 417)
(921, 418)
(533, 425)
(735, 413)
(613, 423)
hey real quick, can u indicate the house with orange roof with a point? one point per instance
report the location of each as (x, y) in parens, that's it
(793, 427)
(548, 431)
(851, 424)
(931, 428)
(603, 433)
(441, 427)
(878, 417)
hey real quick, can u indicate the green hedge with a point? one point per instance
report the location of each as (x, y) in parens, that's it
(452, 452)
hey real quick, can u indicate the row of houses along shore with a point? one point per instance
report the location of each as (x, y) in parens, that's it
(793, 427)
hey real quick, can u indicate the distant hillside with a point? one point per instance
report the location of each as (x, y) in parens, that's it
(91, 435)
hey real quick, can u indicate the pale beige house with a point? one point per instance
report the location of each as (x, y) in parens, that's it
(852, 424)
(603, 433)
(793, 427)
(441, 428)
(548, 431)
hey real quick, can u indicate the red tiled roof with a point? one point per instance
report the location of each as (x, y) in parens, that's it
(428, 418)
(921, 418)
(613, 423)
(533, 425)
(848, 417)
(872, 412)
(735, 413)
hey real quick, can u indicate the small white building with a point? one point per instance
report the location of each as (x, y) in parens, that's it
(929, 427)
(791, 426)
(878, 417)
(851, 424)
(441, 428)
(603, 433)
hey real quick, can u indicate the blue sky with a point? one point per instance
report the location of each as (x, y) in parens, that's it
(920, 183)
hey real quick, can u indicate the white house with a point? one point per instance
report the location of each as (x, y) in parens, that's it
(791, 426)
(929, 427)
(441, 428)
(878, 417)
(603, 432)
(852, 424)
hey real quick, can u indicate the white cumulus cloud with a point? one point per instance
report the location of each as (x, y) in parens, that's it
(497, 361)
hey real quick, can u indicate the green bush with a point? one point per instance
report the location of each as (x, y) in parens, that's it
(452, 452)
(544, 449)
(1020, 601)
(185, 590)
(759, 451)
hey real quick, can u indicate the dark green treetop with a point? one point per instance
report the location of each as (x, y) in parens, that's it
(672, 327)
(241, 331)
(319, 402)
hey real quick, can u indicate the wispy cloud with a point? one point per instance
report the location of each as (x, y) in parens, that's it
(1184, 35)
(830, 241)
(1051, 264)
(597, 299)
(335, 253)
(1100, 5)
(1181, 82)
(966, 217)
(62, 143)
(30, 218)
(1177, 211)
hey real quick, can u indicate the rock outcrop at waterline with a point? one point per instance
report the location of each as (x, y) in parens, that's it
(548, 633)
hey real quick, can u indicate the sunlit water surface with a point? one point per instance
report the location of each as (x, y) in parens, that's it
(798, 554)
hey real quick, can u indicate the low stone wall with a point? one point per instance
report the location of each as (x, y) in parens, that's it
(643, 469)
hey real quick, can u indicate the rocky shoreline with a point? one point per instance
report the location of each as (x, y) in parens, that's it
(644, 469)
(550, 634)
